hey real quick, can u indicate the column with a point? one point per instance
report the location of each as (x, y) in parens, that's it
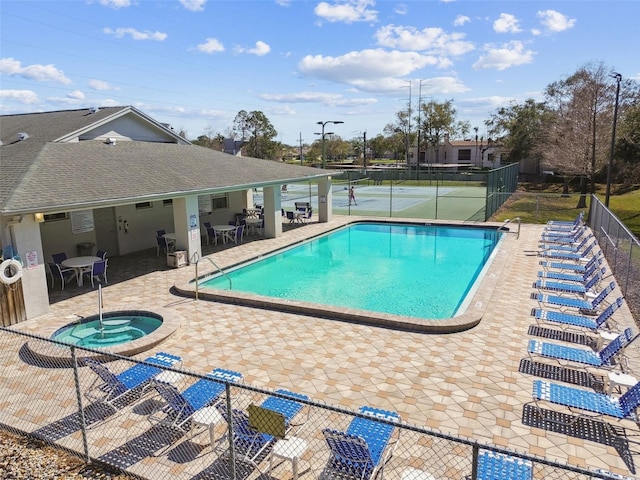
(324, 200)
(186, 221)
(272, 212)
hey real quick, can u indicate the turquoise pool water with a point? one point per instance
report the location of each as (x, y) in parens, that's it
(116, 328)
(419, 271)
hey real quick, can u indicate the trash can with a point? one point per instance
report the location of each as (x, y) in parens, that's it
(177, 259)
(85, 249)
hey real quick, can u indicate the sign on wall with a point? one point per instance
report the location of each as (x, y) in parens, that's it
(82, 221)
(204, 204)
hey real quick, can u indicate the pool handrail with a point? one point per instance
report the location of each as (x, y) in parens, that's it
(509, 220)
(215, 265)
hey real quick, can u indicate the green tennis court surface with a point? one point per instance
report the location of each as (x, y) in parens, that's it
(428, 202)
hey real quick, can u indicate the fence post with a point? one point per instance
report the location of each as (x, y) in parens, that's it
(83, 421)
(232, 451)
(474, 461)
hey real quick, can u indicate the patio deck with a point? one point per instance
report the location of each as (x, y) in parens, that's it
(469, 384)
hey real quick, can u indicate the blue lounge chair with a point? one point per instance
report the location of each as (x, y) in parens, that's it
(563, 237)
(563, 225)
(363, 449)
(251, 444)
(588, 306)
(566, 287)
(581, 321)
(577, 256)
(569, 247)
(571, 277)
(108, 387)
(574, 267)
(180, 406)
(605, 358)
(588, 403)
(494, 465)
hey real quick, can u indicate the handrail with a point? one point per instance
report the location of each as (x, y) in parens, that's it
(509, 220)
(215, 265)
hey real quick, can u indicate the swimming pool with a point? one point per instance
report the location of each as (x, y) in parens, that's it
(412, 270)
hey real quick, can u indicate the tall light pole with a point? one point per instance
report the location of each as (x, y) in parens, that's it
(419, 128)
(324, 154)
(618, 78)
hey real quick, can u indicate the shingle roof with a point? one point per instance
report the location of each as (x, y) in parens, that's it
(40, 175)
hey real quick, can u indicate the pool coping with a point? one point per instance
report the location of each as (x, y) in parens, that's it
(469, 319)
(51, 351)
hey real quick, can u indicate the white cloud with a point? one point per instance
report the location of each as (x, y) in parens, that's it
(211, 45)
(507, 23)
(21, 96)
(260, 49)
(444, 86)
(135, 34)
(461, 20)
(430, 40)
(76, 95)
(365, 65)
(505, 56)
(330, 99)
(100, 85)
(348, 12)
(194, 5)
(41, 73)
(115, 3)
(283, 3)
(401, 9)
(555, 21)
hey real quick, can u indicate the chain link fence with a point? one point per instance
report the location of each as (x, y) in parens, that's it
(151, 420)
(622, 250)
(437, 193)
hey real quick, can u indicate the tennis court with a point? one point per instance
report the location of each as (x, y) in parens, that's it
(393, 200)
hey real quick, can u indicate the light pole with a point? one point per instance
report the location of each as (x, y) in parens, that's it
(618, 78)
(324, 155)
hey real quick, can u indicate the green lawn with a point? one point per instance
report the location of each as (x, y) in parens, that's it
(538, 204)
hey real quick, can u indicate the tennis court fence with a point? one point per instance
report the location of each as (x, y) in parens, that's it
(145, 436)
(402, 193)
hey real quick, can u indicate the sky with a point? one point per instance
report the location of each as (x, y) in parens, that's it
(195, 64)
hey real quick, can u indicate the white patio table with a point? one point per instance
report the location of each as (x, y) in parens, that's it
(80, 265)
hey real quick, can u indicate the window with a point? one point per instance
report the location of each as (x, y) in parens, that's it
(143, 205)
(220, 202)
(464, 155)
(168, 203)
(55, 216)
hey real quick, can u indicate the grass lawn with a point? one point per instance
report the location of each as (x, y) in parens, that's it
(538, 203)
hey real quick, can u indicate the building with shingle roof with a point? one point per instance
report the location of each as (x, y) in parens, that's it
(89, 172)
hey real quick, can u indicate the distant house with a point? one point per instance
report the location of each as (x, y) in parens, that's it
(459, 154)
(110, 177)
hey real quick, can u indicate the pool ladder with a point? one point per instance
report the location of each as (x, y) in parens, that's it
(508, 221)
(197, 259)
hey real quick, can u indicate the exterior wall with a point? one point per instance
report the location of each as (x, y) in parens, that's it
(129, 127)
(25, 237)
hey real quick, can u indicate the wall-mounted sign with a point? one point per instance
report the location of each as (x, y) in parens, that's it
(204, 204)
(82, 221)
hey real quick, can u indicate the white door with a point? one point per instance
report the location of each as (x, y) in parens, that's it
(106, 231)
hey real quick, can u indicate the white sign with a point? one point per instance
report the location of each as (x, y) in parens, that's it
(82, 222)
(204, 204)
(32, 259)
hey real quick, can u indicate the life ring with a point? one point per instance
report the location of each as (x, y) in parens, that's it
(13, 268)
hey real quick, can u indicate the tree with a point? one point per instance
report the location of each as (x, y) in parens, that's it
(438, 121)
(210, 139)
(400, 133)
(522, 129)
(582, 106)
(627, 148)
(256, 130)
